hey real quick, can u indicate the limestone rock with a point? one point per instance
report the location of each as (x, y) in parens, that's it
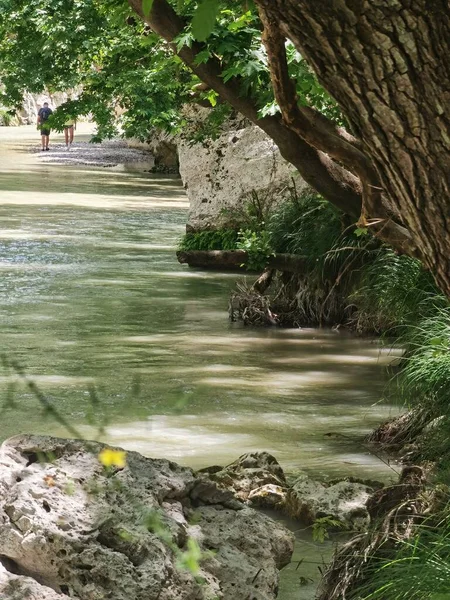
(163, 148)
(249, 472)
(345, 501)
(268, 496)
(220, 176)
(18, 587)
(77, 530)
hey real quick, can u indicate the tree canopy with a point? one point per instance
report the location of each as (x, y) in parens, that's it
(121, 66)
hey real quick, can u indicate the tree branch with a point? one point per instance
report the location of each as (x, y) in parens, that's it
(316, 130)
(319, 132)
(330, 179)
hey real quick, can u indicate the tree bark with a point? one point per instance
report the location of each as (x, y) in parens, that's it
(387, 64)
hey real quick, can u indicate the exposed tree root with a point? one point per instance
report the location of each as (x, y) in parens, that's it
(294, 301)
(396, 511)
(394, 435)
(251, 307)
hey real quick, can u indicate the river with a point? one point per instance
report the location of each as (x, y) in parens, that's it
(118, 335)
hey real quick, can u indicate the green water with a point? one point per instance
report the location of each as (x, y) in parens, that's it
(92, 298)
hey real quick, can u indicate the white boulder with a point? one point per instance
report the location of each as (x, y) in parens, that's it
(221, 175)
(345, 501)
(69, 528)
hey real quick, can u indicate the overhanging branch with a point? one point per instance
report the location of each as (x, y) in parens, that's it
(329, 178)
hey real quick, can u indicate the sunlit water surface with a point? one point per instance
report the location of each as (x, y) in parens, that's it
(116, 333)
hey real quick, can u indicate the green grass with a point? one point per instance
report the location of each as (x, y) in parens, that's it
(306, 225)
(420, 569)
(222, 239)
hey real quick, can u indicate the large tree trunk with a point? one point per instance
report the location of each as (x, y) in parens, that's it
(387, 64)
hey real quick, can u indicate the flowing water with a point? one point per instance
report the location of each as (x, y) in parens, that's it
(116, 333)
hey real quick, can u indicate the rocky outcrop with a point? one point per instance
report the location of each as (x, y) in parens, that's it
(163, 148)
(344, 501)
(221, 175)
(258, 480)
(19, 587)
(71, 528)
(268, 496)
(250, 472)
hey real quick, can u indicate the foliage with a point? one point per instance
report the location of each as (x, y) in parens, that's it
(322, 526)
(6, 116)
(427, 365)
(131, 80)
(258, 247)
(254, 212)
(306, 225)
(252, 218)
(334, 256)
(420, 569)
(395, 290)
(423, 382)
(222, 239)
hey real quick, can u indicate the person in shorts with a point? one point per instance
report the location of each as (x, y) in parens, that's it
(69, 128)
(43, 116)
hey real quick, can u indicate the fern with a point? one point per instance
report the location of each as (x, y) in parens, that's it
(222, 239)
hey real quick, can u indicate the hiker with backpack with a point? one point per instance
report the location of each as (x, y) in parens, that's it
(43, 116)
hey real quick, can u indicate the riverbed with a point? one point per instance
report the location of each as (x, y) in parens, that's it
(134, 349)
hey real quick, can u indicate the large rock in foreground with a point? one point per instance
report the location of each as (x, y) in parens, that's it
(71, 529)
(255, 478)
(249, 472)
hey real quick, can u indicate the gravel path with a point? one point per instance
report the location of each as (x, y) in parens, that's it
(107, 154)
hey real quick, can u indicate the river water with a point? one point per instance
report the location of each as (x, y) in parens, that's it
(117, 334)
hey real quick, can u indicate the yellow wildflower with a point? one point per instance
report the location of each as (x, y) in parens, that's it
(113, 458)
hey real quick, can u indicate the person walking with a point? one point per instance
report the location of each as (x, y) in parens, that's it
(42, 118)
(69, 128)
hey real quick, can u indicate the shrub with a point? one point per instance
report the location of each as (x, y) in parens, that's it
(222, 239)
(305, 224)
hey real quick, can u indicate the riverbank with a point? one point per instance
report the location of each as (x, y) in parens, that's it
(132, 346)
(109, 153)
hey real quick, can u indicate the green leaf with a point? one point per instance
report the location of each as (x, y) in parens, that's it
(184, 39)
(202, 57)
(212, 97)
(147, 7)
(205, 19)
(359, 231)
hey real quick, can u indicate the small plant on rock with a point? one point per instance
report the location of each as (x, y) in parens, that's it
(258, 247)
